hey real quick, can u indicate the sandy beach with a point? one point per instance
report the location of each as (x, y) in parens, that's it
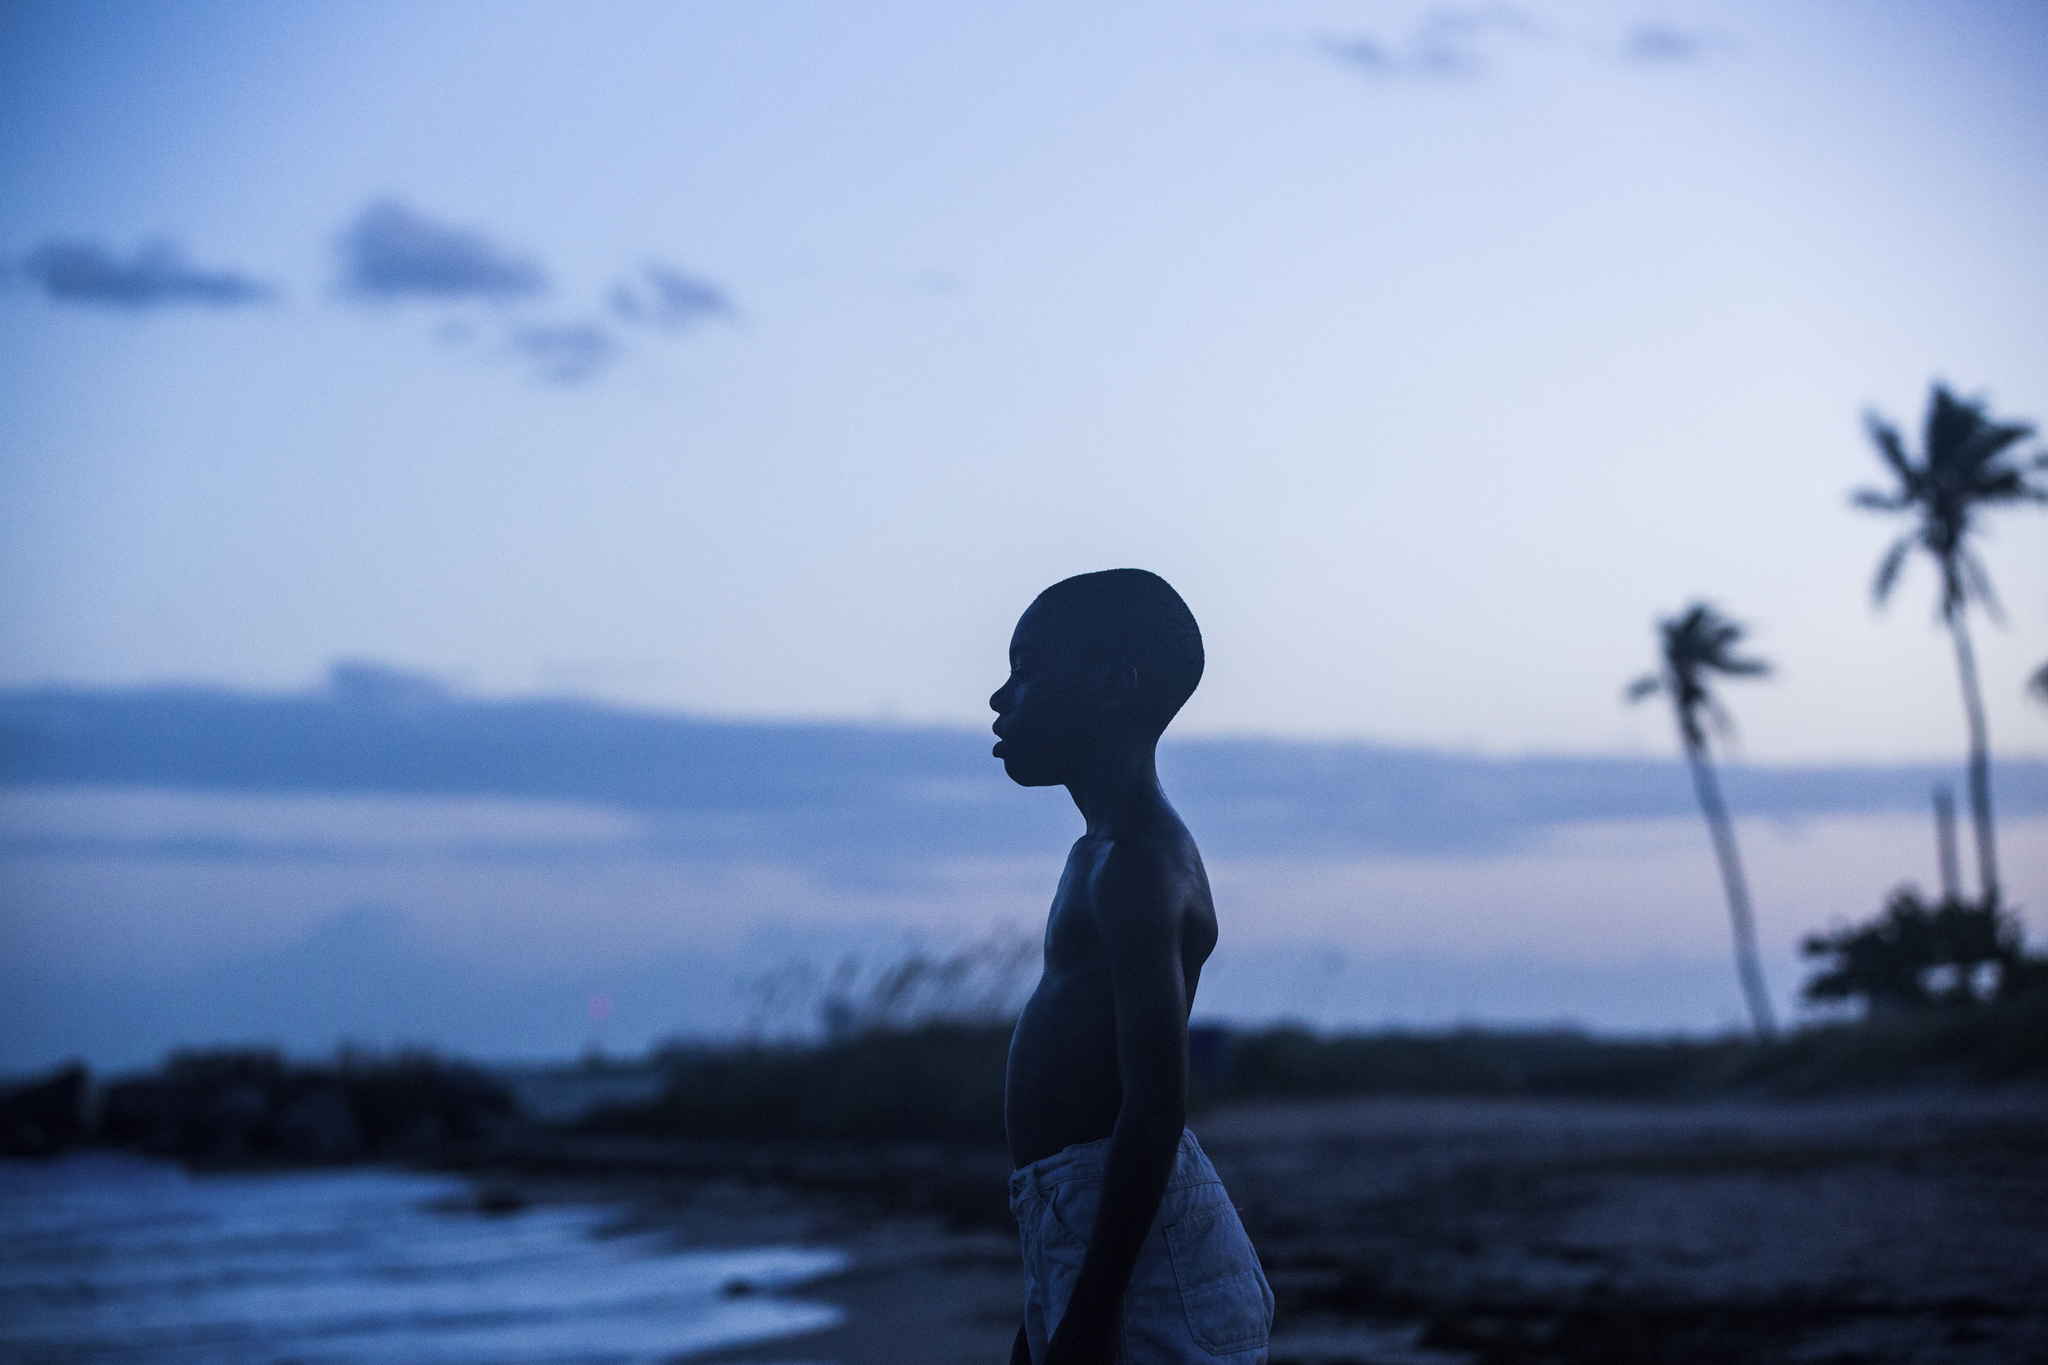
(1894, 1228)
(1902, 1227)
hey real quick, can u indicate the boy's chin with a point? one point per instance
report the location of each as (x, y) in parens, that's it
(1027, 774)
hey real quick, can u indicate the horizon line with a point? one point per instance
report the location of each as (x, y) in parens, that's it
(430, 690)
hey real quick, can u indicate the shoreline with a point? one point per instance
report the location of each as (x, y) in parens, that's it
(957, 1293)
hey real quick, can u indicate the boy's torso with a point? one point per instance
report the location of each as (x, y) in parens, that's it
(1063, 1085)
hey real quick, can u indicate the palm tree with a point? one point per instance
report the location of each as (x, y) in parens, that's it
(1695, 644)
(1964, 469)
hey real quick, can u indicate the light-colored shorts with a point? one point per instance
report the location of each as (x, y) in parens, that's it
(1197, 1293)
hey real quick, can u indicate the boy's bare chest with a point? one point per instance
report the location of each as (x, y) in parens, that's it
(1072, 938)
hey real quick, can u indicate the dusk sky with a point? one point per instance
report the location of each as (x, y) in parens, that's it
(1432, 352)
(764, 360)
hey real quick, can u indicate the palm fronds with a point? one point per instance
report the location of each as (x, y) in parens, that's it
(1697, 643)
(1965, 468)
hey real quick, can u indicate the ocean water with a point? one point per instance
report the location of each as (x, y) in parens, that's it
(115, 1259)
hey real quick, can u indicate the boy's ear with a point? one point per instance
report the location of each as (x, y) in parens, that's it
(1117, 686)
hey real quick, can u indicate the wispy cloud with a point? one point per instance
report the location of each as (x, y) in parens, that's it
(566, 353)
(1655, 44)
(391, 252)
(1445, 43)
(157, 275)
(665, 297)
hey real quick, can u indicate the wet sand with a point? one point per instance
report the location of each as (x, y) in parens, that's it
(918, 1287)
(1899, 1228)
(912, 1296)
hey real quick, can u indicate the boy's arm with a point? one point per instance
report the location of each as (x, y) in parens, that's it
(1137, 908)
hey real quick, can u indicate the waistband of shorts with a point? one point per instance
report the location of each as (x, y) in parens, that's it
(1086, 1161)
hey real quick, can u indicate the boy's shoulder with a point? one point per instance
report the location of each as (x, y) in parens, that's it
(1149, 869)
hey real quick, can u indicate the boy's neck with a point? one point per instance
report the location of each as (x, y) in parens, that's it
(1121, 786)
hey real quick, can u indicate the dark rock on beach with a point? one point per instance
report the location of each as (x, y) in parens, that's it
(253, 1107)
(46, 1117)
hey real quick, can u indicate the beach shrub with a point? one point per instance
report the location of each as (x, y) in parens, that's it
(1291, 1062)
(943, 1083)
(979, 983)
(2003, 1040)
(1916, 954)
(937, 1082)
(912, 1049)
(916, 1052)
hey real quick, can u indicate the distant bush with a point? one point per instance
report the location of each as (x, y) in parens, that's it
(2005, 1040)
(943, 1083)
(1916, 955)
(913, 1050)
(940, 1082)
(251, 1105)
(2000, 1041)
(1292, 1062)
(916, 1051)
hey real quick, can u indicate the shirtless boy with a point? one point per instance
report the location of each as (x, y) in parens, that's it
(1132, 1251)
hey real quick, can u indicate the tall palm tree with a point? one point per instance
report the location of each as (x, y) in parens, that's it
(1699, 642)
(1964, 469)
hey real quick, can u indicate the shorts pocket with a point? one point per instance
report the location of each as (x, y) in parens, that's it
(1072, 1207)
(1221, 1289)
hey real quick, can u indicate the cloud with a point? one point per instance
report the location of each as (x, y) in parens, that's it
(848, 802)
(1663, 44)
(566, 353)
(663, 297)
(157, 275)
(365, 685)
(391, 252)
(1446, 43)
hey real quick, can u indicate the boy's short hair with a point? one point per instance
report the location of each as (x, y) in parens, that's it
(1135, 617)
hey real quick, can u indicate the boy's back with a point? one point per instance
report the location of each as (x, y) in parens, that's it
(1132, 1250)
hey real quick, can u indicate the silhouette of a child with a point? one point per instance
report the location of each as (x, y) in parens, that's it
(1132, 1250)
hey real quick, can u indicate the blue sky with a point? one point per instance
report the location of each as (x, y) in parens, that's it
(1431, 352)
(764, 360)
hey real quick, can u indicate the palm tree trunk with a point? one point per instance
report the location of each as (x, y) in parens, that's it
(1945, 844)
(1748, 966)
(1980, 760)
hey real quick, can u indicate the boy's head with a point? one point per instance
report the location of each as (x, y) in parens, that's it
(1101, 658)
